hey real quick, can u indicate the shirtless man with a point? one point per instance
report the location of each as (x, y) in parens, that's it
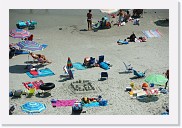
(89, 20)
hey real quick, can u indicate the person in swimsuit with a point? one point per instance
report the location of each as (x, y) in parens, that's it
(41, 58)
(89, 20)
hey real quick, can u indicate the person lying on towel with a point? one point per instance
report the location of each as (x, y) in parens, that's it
(41, 58)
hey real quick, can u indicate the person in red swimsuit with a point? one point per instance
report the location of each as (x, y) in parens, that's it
(89, 20)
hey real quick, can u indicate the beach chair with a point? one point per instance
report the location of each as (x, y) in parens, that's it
(101, 59)
(128, 68)
(104, 75)
(139, 74)
(70, 74)
(31, 92)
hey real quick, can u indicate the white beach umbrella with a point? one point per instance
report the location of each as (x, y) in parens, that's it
(109, 11)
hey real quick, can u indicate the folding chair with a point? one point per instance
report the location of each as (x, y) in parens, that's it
(139, 74)
(104, 75)
(101, 59)
(128, 68)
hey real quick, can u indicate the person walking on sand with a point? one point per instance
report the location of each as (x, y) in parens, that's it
(89, 20)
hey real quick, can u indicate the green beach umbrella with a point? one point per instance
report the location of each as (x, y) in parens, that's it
(156, 79)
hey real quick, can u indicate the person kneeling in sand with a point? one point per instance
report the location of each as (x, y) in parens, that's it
(41, 58)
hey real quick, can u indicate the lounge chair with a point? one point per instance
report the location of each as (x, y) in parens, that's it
(128, 68)
(139, 74)
(68, 76)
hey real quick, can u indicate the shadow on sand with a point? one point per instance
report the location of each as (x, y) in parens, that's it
(162, 23)
(147, 99)
(18, 69)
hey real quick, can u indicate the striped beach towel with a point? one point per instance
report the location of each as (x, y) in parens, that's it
(152, 33)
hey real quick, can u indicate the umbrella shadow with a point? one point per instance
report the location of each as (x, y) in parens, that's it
(18, 69)
(43, 95)
(83, 30)
(147, 99)
(162, 23)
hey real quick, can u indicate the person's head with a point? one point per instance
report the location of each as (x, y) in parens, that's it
(128, 12)
(89, 10)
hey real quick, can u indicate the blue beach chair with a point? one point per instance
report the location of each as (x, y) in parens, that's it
(138, 74)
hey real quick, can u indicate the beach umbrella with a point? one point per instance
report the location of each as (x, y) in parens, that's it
(19, 33)
(109, 11)
(33, 107)
(156, 79)
(30, 46)
(69, 64)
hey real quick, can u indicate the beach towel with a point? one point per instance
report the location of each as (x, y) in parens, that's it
(96, 104)
(152, 33)
(63, 103)
(34, 84)
(79, 66)
(122, 42)
(92, 104)
(41, 73)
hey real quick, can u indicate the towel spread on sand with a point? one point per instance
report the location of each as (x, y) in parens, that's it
(152, 33)
(34, 84)
(41, 73)
(96, 104)
(63, 103)
(79, 66)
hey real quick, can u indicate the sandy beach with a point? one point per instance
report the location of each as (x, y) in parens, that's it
(72, 41)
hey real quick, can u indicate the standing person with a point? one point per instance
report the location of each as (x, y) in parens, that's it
(167, 76)
(89, 20)
(121, 16)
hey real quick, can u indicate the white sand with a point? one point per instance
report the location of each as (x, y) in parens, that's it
(76, 44)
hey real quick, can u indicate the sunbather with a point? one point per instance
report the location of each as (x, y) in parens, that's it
(41, 58)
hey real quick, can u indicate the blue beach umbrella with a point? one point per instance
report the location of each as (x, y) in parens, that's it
(33, 107)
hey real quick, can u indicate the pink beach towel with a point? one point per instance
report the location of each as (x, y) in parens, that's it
(63, 103)
(35, 84)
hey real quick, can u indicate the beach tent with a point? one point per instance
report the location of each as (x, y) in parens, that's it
(156, 79)
(33, 107)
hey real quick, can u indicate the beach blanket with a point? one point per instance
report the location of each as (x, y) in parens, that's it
(41, 73)
(79, 66)
(92, 104)
(17, 52)
(152, 33)
(96, 104)
(34, 84)
(63, 103)
(122, 42)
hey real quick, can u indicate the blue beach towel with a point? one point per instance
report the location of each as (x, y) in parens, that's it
(122, 42)
(41, 73)
(92, 104)
(79, 66)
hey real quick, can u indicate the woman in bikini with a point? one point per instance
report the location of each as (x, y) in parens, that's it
(40, 58)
